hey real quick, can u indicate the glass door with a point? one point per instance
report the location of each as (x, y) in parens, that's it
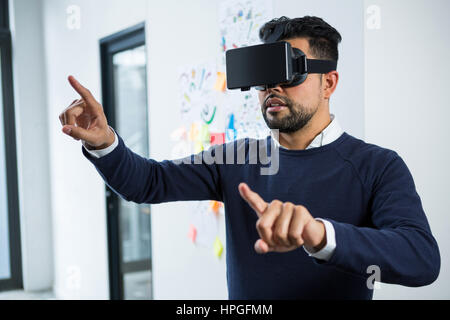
(125, 102)
(131, 123)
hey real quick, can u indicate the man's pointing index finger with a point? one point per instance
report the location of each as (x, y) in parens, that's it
(253, 199)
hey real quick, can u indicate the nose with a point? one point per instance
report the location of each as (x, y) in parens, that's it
(276, 89)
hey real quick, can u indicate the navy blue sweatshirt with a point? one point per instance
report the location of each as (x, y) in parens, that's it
(365, 191)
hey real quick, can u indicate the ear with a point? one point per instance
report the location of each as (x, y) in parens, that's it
(330, 81)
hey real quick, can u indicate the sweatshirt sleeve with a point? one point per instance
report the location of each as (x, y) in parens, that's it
(400, 244)
(142, 180)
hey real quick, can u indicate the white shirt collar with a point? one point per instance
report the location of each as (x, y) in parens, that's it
(331, 133)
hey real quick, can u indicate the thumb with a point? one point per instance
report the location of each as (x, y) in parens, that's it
(261, 246)
(78, 133)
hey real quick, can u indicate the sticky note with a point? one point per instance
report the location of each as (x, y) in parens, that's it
(192, 234)
(217, 138)
(214, 206)
(204, 134)
(193, 132)
(218, 247)
(221, 82)
(198, 147)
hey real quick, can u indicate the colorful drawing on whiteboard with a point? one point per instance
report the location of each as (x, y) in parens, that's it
(213, 115)
(198, 100)
(240, 21)
(245, 109)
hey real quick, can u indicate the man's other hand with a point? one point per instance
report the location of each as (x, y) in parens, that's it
(283, 226)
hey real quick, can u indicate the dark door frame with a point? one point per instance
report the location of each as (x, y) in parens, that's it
(15, 281)
(124, 40)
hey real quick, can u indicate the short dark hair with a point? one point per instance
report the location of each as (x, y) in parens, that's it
(323, 39)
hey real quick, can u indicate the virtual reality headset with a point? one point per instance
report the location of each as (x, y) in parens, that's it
(268, 65)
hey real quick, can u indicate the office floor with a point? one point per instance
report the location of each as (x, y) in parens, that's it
(22, 295)
(137, 287)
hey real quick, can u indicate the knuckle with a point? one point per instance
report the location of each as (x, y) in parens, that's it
(299, 242)
(288, 205)
(259, 224)
(276, 203)
(300, 209)
(264, 225)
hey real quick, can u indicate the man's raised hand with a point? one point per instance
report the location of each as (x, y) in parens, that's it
(85, 120)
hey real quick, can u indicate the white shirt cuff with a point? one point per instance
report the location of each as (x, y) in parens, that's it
(327, 251)
(103, 152)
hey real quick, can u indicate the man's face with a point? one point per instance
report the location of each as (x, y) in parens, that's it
(290, 109)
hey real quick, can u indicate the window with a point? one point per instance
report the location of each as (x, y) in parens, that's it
(124, 91)
(10, 257)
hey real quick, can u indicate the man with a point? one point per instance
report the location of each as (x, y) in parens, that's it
(337, 210)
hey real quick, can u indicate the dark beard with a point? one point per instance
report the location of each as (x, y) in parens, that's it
(294, 121)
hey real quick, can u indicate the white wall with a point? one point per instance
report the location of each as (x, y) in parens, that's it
(407, 110)
(32, 148)
(78, 199)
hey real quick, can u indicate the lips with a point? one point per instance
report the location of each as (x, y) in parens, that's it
(275, 102)
(275, 105)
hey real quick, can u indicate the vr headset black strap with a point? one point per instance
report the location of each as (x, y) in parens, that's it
(313, 65)
(320, 66)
